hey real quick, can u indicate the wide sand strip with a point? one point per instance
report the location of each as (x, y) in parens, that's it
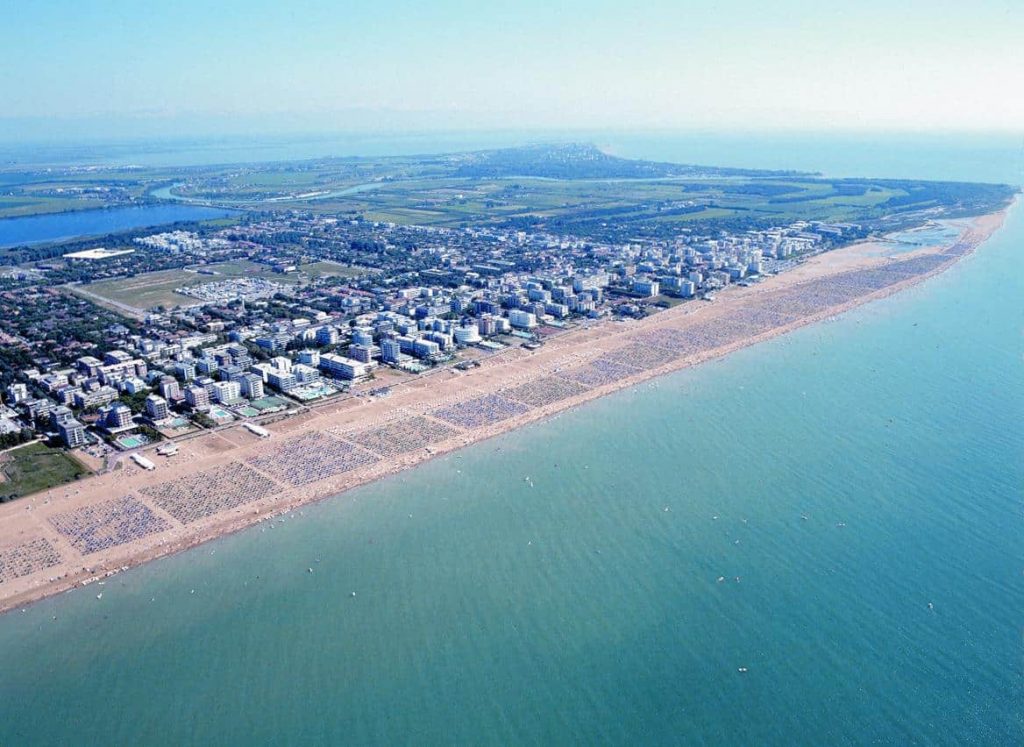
(221, 482)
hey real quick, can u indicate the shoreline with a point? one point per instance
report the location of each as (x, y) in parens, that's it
(226, 481)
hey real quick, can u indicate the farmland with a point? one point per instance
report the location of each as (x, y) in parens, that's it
(571, 188)
(635, 198)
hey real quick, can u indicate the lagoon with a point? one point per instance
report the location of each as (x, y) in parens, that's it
(39, 229)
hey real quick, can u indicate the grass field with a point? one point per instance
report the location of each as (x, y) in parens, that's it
(149, 290)
(563, 187)
(329, 269)
(24, 206)
(457, 202)
(154, 289)
(36, 467)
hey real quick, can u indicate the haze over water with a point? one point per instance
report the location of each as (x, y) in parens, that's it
(990, 157)
(578, 609)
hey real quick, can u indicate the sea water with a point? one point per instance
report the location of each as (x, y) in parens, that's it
(816, 540)
(984, 157)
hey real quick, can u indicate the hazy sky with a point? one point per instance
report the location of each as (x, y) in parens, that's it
(186, 66)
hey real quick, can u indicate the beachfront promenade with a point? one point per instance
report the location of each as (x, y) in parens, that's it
(220, 483)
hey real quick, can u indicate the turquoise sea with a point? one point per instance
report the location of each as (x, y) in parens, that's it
(857, 486)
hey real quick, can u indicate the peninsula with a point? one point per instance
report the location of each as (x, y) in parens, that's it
(216, 374)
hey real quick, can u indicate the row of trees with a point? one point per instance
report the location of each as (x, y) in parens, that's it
(16, 438)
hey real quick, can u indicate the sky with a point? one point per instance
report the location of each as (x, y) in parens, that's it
(90, 68)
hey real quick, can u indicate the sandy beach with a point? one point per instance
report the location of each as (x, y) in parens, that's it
(223, 481)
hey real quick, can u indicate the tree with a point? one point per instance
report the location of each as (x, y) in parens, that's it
(203, 420)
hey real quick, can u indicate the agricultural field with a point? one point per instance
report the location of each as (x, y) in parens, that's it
(36, 467)
(584, 205)
(572, 188)
(46, 191)
(27, 205)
